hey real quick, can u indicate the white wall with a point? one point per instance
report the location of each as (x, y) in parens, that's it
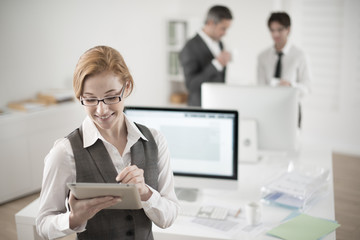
(42, 40)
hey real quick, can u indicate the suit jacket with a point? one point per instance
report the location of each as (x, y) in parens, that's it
(196, 59)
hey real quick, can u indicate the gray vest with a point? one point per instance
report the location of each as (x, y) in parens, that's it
(93, 164)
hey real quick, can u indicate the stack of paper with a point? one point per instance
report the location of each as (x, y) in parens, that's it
(295, 189)
(53, 96)
(27, 105)
(304, 227)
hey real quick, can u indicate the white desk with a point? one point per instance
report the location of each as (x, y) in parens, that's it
(252, 177)
(25, 222)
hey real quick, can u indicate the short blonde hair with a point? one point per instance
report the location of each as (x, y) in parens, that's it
(97, 60)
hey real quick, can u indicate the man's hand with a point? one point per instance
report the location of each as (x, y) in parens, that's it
(224, 57)
(284, 83)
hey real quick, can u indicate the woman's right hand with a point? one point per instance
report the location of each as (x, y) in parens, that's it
(83, 210)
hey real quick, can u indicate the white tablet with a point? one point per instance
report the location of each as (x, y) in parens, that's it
(128, 193)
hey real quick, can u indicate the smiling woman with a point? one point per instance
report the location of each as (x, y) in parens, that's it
(107, 148)
(102, 100)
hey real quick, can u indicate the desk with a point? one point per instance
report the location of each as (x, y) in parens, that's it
(252, 177)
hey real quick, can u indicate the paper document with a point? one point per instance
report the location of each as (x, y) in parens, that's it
(223, 225)
(293, 184)
(284, 199)
(304, 227)
(295, 189)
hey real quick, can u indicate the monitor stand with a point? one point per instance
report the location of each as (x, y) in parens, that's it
(187, 194)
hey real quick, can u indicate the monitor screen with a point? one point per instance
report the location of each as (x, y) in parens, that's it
(275, 110)
(202, 143)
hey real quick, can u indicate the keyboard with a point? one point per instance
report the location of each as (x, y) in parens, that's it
(211, 212)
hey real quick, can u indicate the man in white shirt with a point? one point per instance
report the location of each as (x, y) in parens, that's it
(203, 58)
(283, 64)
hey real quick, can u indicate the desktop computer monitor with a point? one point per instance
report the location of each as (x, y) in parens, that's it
(202, 143)
(275, 110)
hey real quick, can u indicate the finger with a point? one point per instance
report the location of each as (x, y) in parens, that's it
(72, 201)
(107, 204)
(96, 204)
(71, 197)
(139, 184)
(99, 200)
(139, 180)
(91, 211)
(124, 172)
(133, 174)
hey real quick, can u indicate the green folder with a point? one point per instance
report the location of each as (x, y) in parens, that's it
(304, 227)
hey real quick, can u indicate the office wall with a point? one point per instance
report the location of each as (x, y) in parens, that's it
(41, 41)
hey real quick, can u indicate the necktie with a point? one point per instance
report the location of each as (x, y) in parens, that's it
(278, 66)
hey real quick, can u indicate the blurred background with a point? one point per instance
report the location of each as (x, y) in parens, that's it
(41, 42)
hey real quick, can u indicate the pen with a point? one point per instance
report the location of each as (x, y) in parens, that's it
(237, 213)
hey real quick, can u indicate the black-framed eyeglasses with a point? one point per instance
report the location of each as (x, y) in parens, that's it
(90, 102)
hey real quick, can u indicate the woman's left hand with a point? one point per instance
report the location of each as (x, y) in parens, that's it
(134, 175)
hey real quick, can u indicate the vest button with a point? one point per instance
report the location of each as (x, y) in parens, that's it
(129, 218)
(130, 233)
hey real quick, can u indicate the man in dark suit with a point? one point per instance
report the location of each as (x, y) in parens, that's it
(203, 58)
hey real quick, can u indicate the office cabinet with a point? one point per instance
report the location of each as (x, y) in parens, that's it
(25, 139)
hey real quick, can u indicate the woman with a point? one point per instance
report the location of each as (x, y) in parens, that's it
(108, 147)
